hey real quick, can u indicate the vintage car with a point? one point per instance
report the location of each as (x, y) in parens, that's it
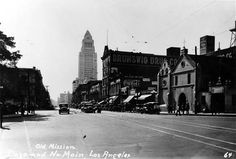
(151, 108)
(88, 107)
(64, 108)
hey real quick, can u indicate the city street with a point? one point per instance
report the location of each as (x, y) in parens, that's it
(48, 135)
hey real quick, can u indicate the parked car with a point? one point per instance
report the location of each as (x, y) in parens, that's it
(88, 108)
(64, 108)
(103, 105)
(151, 108)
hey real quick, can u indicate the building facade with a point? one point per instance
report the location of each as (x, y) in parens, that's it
(24, 87)
(87, 60)
(90, 91)
(128, 73)
(65, 98)
(206, 82)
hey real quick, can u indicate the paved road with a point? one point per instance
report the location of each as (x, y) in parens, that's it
(49, 135)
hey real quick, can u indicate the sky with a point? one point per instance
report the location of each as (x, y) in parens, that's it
(49, 33)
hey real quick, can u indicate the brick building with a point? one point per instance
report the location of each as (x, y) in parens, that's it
(128, 73)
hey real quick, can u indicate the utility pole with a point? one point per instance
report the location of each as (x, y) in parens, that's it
(233, 36)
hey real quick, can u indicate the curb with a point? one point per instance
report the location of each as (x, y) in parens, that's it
(202, 114)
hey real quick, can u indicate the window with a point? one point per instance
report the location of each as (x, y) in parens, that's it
(166, 71)
(176, 80)
(189, 78)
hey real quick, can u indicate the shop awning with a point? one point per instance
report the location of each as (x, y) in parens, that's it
(102, 102)
(128, 99)
(143, 97)
(112, 99)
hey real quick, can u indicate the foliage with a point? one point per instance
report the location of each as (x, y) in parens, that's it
(7, 57)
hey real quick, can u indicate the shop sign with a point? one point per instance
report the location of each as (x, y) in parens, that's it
(141, 59)
(217, 89)
(151, 88)
(132, 83)
(124, 90)
(132, 92)
(154, 82)
(146, 79)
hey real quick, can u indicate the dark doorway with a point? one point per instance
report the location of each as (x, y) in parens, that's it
(182, 100)
(218, 103)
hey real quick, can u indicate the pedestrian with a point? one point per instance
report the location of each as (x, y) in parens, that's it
(187, 108)
(183, 108)
(171, 109)
(177, 110)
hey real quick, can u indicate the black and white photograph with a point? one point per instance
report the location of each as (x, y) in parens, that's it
(117, 79)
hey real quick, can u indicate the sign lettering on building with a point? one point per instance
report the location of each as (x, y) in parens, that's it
(141, 59)
(132, 83)
(217, 90)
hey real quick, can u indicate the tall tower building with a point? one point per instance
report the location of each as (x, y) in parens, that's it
(87, 60)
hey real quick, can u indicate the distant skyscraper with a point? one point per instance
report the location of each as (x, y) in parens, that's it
(87, 60)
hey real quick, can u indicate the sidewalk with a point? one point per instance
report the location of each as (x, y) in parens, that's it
(201, 114)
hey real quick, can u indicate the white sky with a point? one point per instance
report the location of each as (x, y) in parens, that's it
(49, 33)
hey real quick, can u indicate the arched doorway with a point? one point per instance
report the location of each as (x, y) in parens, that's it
(182, 99)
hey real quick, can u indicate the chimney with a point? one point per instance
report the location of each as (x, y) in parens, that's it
(184, 51)
(173, 51)
(207, 44)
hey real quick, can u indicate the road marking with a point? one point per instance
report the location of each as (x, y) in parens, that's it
(199, 126)
(193, 124)
(205, 125)
(180, 136)
(27, 137)
(193, 134)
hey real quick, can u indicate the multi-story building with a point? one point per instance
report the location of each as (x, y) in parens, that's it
(90, 91)
(128, 73)
(23, 86)
(87, 60)
(65, 97)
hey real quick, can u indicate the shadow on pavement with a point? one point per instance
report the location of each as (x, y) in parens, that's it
(35, 117)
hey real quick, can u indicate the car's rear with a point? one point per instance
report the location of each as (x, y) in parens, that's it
(64, 109)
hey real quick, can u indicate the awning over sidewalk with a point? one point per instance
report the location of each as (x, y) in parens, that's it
(112, 99)
(143, 97)
(128, 99)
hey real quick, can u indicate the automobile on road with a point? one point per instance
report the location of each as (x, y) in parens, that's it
(151, 108)
(64, 108)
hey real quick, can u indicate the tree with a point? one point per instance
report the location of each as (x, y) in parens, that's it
(7, 57)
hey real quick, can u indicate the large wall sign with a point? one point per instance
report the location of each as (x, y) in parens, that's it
(141, 59)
